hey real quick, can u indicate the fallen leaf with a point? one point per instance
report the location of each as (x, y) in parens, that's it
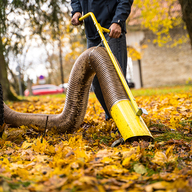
(139, 168)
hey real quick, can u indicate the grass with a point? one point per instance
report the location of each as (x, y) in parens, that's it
(135, 92)
(161, 90)
(172, 135)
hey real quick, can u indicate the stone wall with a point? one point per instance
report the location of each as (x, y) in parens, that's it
(162, 66)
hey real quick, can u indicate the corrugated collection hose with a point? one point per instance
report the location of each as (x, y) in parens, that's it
(92, 61)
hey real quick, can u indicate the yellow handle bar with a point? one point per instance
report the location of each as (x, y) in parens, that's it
(100, 30)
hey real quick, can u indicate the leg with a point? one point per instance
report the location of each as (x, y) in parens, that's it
(99, 95)
(95, 83)
(119, 49)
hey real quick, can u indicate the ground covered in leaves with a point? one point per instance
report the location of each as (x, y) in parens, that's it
(84, 161)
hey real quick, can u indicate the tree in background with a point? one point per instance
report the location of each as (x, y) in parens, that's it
(20, 20)
(73, 43)
(186, 6)
(159, 16)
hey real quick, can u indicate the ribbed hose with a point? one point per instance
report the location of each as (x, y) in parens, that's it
(92, 61)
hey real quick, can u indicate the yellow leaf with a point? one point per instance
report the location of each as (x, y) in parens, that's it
(106, 160)
(88, 180)
(169, 151)
(160, 158)
(23, 173)
(112, 170)
(139, 168)
(126, 162)
(26, 145)
(157, 186)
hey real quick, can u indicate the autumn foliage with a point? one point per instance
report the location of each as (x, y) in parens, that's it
(34, 160)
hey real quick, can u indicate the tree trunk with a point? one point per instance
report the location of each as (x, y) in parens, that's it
(15, 84)
(29, 86)
(7, 94)
(186, 6)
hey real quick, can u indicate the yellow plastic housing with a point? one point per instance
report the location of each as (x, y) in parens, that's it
(130, 125)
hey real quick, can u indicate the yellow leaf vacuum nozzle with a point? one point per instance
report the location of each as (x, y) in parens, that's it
(125, 113)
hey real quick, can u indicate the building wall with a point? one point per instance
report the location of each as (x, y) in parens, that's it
(136, 74)
(162, 66)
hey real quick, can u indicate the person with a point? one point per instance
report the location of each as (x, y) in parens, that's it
(111, 14)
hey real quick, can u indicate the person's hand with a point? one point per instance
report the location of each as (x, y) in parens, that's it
(75, 19)
(115, 30)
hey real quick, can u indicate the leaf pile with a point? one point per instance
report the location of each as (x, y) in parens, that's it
(84, 161)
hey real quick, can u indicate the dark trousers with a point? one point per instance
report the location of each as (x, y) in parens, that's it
(119, 49)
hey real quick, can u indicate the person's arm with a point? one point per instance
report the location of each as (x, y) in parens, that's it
(76, 7)
(76, 12)
(122, 12)
(75, 19)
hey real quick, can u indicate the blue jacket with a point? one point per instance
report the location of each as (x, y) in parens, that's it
(106, 13)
